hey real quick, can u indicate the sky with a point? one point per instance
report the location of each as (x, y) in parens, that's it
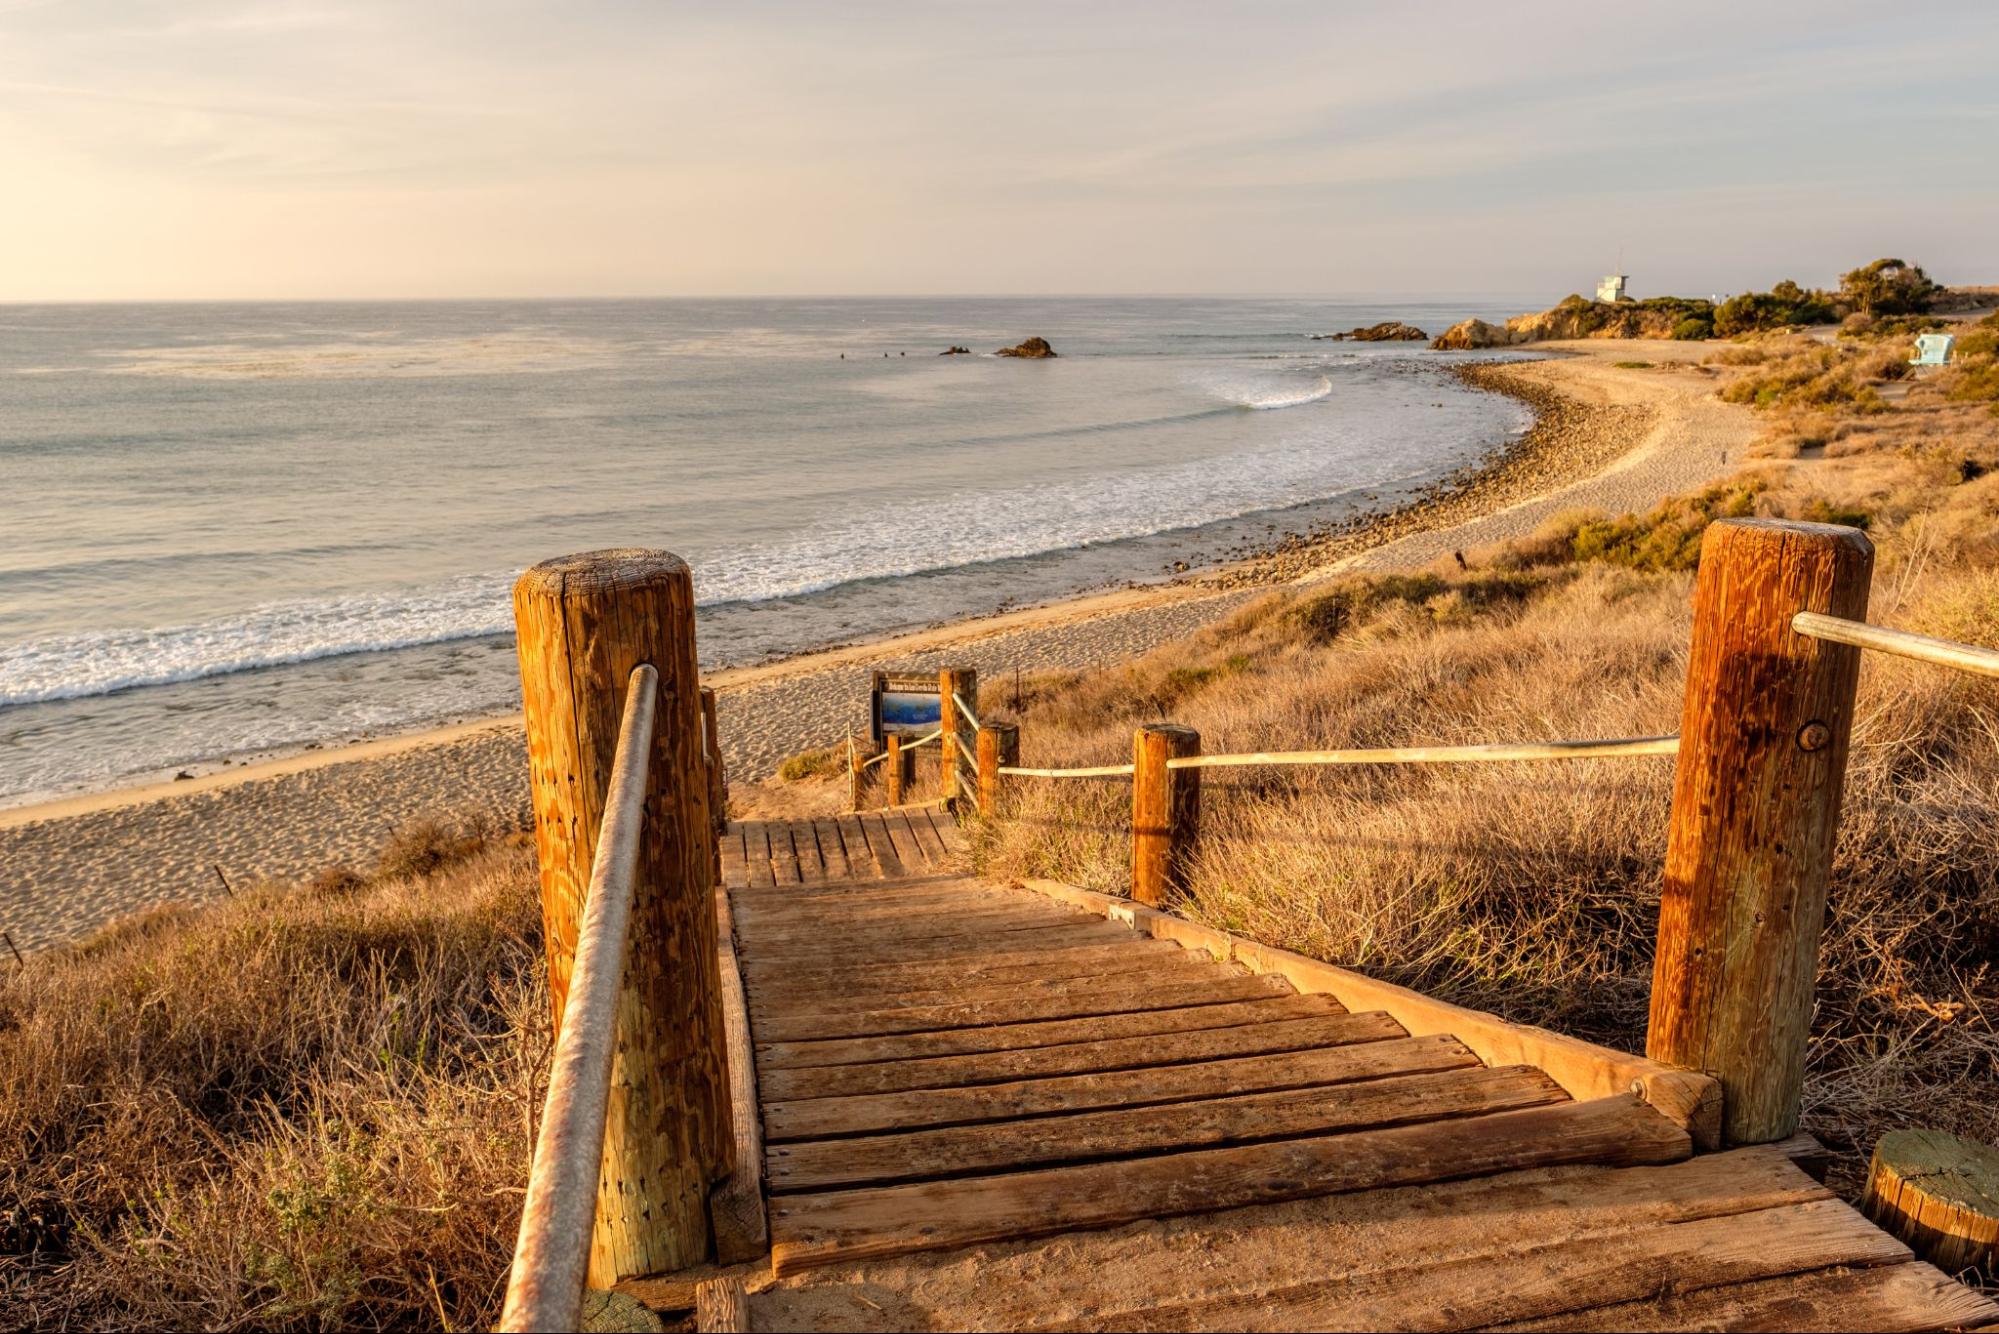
(293, 149)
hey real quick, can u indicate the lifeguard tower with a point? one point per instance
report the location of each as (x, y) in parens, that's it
(1611, 287)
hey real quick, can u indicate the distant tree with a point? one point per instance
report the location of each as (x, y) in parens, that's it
(1888, 287)
(1785, 304)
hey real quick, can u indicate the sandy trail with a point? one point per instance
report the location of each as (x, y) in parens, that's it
(74, 865)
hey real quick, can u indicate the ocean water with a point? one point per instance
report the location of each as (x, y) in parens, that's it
(226, 529)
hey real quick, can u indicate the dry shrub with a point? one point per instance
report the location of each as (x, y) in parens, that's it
(290, 1110)
(825, 762)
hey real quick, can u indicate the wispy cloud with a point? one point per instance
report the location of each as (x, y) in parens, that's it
(371, 147)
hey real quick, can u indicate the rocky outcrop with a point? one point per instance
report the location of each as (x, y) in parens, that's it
(1467, 334)
(1388, 331)
(1031, 347)
(955, 351)
(1579, 317)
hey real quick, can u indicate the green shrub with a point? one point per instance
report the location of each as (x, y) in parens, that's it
(1632, 365)
(1888, 287)
(1668, 538)
(1783, 305)
(1694, 329)
(810, 764)
(1820, 510)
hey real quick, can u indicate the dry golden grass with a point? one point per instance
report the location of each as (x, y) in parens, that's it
(1532, 891)
(304, 1109)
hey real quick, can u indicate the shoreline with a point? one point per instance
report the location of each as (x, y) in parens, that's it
(79, 861)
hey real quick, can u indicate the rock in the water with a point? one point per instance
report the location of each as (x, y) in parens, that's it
(1388, 331)
(955, 351)
(1032, 347)
(1475, 333)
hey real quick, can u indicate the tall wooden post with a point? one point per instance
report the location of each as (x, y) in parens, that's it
(1165, 809)
(953, 683)
(584, 623)
(897, 776)
(1763, 742)
(999, 743)
(718, 775)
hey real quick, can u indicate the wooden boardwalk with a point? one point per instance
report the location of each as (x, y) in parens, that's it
(984, 1108)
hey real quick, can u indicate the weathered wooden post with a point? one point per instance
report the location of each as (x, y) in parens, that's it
(999, 743)
(1165, 809)
(858, 754)
(954, 683)
(897, 775)
(584, 623)
(1763, 742)
(718, 777)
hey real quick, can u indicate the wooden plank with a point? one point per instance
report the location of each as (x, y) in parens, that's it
(918, 942)
(736, 1202)
(1135, 955)
(1028, 1284)
(772, 924)
(730, 843)
(879, 843)
(805, 841)
(784, 999)
(722, 1306)
(907, 850)
(1524, 1281)
(876, 1113)
(948, 833)
(1002, 1009)
(783, 856)
(1887, 1298)
(812, 1230)
(1008, 1037)
(756, 840)
(925, 835)
(1585, 1069)
(860, 858)
(868, 992)
(1091, 1136)
(935, 949)
(831, 850)
(1205, 1044)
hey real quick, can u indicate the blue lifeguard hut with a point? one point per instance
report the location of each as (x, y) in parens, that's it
(1933, 350)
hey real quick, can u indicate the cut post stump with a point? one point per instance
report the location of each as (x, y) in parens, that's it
(1940, 1193)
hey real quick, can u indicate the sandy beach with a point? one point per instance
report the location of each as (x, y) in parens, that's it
(1609, 438)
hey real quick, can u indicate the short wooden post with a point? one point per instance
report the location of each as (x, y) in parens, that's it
(999, 743)
(584, 622)
(718, 777)
(1763, 742)
(1940, 1193)
(1165, 809)
(897, 775)
(858, 754)
(954, 683)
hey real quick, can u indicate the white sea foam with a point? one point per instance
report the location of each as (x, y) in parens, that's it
(959, 529)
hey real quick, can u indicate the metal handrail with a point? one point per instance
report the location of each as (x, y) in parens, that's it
(1900, 643)
(552, 1253)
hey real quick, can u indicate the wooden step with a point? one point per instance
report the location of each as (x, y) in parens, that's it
(1090, 1136)
(1115, 996)
(1012, 1037)
(1068, 1058)
(817, 1118)
(811, 1230)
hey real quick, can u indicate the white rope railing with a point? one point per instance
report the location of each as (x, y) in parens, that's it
(1104, 771)
(965, 709)
(1900, 643)
(552, 1254)
(1530, 750)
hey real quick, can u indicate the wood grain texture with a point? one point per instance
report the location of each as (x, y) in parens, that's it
(999, 743)
(736, 1215)
(1104, 1054)
(1940, 1193)
(1763, 746)
(583, 623)
(811, 1230)
(954, 683)
(1008, 1037)
(1165, 809)
(818, 1118)
(1090, 1136)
